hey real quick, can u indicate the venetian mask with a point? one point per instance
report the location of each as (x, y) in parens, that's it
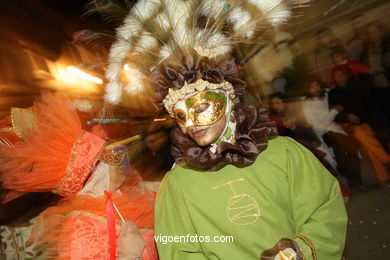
(202, 108)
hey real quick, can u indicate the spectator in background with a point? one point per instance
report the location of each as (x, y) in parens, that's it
(290, 121)
(279, 113)
(356, 44)
(376, 53)
(356, 101)
(339, 56)
(321, 118)
(323, 64)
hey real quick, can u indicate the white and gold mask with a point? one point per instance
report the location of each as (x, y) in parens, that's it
(202, 108)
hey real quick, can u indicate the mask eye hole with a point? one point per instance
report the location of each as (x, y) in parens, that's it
(180, 115)
(201, 108)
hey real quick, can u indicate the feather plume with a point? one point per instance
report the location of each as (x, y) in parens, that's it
(154, 29)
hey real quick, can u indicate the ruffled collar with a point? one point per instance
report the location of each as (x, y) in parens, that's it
(253, 129)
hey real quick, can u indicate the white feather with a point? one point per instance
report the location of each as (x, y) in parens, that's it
(113, 92)
(163, 21)
(113, 71)
(241, 19)
(265, 5)
(119, 49)
(213, 46)
(165, 51)
(118, 52)
(144, 9)
(280, 15)
(213, 8)
(145, 42)
(130, 27)
(275, 11)
(179, 14)
(135, 78)
(219, 43)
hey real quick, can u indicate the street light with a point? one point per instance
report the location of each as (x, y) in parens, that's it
(84, 75)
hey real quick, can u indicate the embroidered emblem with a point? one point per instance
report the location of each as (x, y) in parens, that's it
(242, 209)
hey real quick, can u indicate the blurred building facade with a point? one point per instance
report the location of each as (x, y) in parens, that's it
(36, 53)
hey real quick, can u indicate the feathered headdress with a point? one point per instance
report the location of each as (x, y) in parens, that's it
(175, 47)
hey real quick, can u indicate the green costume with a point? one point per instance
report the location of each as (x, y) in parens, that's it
(285, 193)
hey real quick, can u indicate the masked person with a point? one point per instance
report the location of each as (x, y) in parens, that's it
(98, 186)
(233, 176)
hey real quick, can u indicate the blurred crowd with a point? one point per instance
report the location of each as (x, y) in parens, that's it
(344, 115)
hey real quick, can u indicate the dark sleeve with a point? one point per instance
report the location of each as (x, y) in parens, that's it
(367, 105)
(333, 99)
(341, 118)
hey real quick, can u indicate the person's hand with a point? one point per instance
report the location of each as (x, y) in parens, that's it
(338, 108)
(284, 249)
(354, 119)
(131, 243)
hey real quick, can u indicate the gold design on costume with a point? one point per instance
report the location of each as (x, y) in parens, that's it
(113, 156)
(115, 153)
(21, 119)
(6, 129)
(84, 154)
(90, 215)
(242, 209)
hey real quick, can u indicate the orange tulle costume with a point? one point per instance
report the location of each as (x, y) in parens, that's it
(60, 157)
(57, 154)
(76, 228)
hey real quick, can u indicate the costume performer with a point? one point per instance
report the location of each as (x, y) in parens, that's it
(96, 180)
(233, 176)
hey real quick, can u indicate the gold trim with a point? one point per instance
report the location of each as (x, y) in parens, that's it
(16, 129)
(85, 213)
(68, 174)
(7, 129)
(88, 214)
(309, 244)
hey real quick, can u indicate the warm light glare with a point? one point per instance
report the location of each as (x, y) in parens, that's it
(159, 119)
(76, 72)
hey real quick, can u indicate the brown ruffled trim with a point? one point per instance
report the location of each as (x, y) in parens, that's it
(252, 133)
(187, 66)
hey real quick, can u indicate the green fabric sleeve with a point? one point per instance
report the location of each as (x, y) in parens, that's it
(172, 219)
(318, 208)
